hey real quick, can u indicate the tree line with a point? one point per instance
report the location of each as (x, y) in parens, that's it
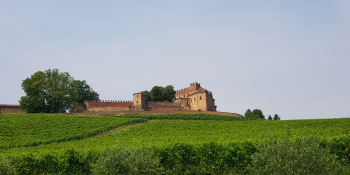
(257, 113)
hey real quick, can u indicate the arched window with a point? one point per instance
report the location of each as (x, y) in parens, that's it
(194, 99)
(200, 97)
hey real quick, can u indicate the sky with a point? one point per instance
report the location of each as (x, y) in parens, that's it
(289, 58)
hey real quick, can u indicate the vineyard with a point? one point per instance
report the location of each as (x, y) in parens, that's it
(32, 130)
(179, 116)
(183, 138)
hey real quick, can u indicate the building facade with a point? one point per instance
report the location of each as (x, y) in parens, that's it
(192, 98)
(195, 98)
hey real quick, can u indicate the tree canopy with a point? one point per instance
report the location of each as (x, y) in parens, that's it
(159, 93)
(257, 113)
(276, 117)
(53, 92)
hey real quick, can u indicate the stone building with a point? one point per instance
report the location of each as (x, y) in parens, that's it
(195, 98)
(192, 98)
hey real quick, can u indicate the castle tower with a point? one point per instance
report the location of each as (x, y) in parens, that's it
(139, 101)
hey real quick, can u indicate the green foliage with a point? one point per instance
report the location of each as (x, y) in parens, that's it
(71, 162)
(168, 132)
(147, 95)
(200, 146)
(257, 113)
(53, 92)
(205, 158)
(6, 168)
(82, 92)
(289, 156)
(270, 118)
(126, 161)
(168, 93)
(248, 113)
(34, 129)
(276, 117)
(159, 93)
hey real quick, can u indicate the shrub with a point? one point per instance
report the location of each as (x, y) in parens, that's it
(287, 156)
(71, 162)
(123, 161)
(5, 167)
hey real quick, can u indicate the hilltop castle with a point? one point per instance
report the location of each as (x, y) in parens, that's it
(192, 98)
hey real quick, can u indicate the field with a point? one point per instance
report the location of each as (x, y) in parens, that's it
(32, 130)
(40, 134)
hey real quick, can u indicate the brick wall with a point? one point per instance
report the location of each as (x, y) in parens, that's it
(162, 106)
(5, 110)
(109, 105)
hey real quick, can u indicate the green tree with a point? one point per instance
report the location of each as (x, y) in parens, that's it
(248, 113)
(276, 117)
(148, 95)
(270, 118)
(53, 92)
(83, 91)
(168, 93)
(159, 93)
(156, 93)
(258, 113)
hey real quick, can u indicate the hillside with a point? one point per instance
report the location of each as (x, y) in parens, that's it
(43, 134)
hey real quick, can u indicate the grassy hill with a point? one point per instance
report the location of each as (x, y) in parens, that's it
(40, 135)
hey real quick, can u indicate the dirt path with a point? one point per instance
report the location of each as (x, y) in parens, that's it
(118, 129)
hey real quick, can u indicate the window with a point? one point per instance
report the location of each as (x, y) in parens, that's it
(184, 96)
(194, 99)
(137, 102)
(200, 97)
(137, 95)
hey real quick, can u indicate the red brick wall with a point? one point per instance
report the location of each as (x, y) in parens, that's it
(109, 104)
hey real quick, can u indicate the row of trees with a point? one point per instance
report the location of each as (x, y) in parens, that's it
(162, 94)
(52, 91)
(257, 113)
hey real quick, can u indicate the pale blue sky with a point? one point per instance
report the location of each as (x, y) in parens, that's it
(284, 57)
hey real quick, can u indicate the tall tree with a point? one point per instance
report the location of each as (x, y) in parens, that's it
(276, 117)
(168, 93)
(53, 92)
(83, 91)
(156, 93)
(258, 113)
(248, 113)
(147, 95)
(270, 118)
